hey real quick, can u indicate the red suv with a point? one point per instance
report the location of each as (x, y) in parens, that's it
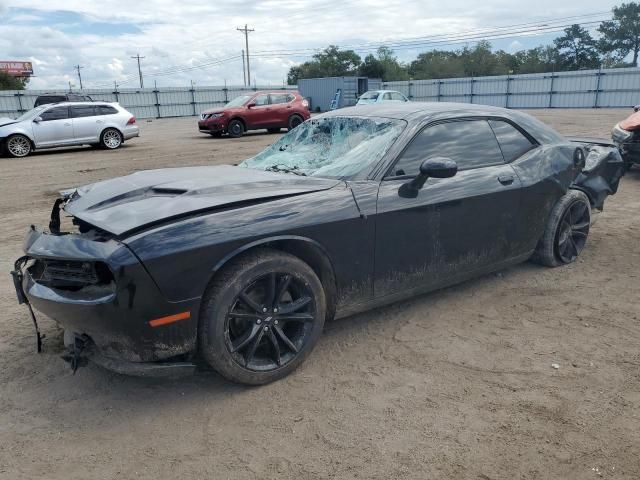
(270, 110)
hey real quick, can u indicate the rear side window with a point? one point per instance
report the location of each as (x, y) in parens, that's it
(512, 142)
(106, 110)
(57, 113)
(83, 111)
(470, 143)
(281, 98)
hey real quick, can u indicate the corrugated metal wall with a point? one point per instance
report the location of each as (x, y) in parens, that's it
(604, 88)
(320, 91)
(143, 103)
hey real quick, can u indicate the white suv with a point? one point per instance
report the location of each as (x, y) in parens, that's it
(69, 123)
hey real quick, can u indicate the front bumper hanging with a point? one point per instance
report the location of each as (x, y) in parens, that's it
(18, 275)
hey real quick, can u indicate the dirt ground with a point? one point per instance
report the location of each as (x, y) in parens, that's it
(453, 385)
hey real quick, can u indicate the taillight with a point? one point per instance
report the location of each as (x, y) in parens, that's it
(131, 121)
(631, 123)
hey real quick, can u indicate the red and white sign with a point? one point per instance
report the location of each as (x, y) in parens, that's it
(17, 69)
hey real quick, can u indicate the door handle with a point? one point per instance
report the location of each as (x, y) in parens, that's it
(506, 179)
(99, 121)
(67, 124)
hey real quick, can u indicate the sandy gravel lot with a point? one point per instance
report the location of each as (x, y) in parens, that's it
(453, 385)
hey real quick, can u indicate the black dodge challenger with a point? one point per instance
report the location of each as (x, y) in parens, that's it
(239, 267)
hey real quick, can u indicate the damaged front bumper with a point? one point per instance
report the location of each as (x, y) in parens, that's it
(98, 289)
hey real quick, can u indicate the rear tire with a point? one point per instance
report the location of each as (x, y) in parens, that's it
(111, 139)
(566, 232)
(261, 317)
(18, 146)
(294, 121)
(235, 128)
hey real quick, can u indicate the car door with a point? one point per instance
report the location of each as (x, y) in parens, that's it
(86, 123)
(54, 127)
(260, 114)
(282, 107)
(455, 226)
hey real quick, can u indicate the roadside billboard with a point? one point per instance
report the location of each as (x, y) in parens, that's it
(16, 69)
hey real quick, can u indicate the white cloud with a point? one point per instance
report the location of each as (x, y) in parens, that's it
(193, 32)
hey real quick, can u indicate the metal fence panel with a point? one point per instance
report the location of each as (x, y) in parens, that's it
(606, 88)
(141, 102)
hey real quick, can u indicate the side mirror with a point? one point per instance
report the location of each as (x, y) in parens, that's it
(37, 119)
(251, 105)
(438, 167)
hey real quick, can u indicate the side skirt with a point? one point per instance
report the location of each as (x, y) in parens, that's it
(429, 287)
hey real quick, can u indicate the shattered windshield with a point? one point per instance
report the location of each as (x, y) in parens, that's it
(329, 147)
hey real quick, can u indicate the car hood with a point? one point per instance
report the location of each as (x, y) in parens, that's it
(6, 121)
(147, 198)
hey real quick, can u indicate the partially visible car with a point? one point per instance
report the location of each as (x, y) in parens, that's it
(48, 98)
(381, 96)
(260, 110)
(626, 135)
(71, 123)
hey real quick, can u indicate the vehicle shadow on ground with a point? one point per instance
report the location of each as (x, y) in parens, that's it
(206, 385)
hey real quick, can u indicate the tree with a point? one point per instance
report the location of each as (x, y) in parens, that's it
(384, 65)
(621, 35)
(331, 62)
(577, 49)
(436, 64)
(8, 82)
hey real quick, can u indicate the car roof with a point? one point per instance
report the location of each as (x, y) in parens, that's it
(419, 112)
(76, 104)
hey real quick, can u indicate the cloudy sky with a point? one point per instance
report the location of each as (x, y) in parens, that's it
(197, 40)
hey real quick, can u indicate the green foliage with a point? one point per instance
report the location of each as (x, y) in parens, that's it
(7, 82)
(384, 65)
(331, 62)
(575, 49)
(621, 36)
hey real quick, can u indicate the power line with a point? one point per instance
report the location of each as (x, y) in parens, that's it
(138, 57)
(78, 67)
(246, 31)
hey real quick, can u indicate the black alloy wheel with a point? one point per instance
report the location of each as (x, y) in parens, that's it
(270, 322)
(261, 316)
(573, 231)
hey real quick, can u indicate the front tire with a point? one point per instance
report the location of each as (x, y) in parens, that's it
(235, 128)
(566, 231)
(261, 317)
(18, 146)
(111, 139)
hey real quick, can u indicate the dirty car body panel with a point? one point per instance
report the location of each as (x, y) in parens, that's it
(147, 245)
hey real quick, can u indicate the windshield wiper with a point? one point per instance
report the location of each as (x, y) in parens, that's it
(284, 169)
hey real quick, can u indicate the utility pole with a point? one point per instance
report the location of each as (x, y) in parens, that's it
(78, 67)
(244, 72)
(138, 57)
(246, 31)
